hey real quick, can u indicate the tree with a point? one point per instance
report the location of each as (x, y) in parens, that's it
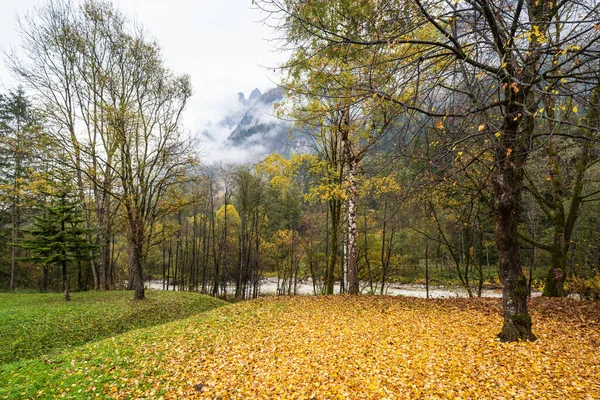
(250, 196)
(57, 237)
(557, 180)
(151, 152)
(324, 93)
(48, 68)
(19, 137)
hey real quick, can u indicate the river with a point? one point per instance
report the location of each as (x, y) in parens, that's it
(305, 287)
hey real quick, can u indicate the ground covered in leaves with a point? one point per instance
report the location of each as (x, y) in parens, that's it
(332, 347)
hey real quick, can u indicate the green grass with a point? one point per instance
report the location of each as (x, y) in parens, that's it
(33, 325)
(101, 368)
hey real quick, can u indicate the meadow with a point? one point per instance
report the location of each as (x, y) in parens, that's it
(330, 347)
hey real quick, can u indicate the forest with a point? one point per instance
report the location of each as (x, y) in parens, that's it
(452, 143)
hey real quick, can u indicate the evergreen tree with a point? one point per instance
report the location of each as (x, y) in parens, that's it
(19, 134)
(57, 238)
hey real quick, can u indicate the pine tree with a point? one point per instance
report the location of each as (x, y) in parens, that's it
(19, 131)
(57, 238)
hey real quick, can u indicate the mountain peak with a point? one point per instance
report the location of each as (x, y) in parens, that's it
(255, 95)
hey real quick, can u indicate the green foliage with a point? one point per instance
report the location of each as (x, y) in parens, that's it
(34, 325)
(19, 132)
(58, 234)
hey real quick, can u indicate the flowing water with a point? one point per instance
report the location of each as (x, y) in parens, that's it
(269, 286)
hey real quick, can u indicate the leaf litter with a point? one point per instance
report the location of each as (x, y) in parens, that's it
(342, 347)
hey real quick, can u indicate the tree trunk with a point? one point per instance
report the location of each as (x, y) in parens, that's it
(351, 161)
(107, 250)
(15, 235)
(138, 282)
(427, 268)
(137, 261)
(195, 253)
(65, 278)
(169, 262)
(352, 265)
(334, 212)
(556, 276)
(508, 184)
(205, 250)
(366, 250)
(164, 261)
(215, 288)
(384, 265)
(104, 232)
(517, 322)
(564, 221)
(16, 213)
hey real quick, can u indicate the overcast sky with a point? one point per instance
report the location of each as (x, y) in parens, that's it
(220, 43)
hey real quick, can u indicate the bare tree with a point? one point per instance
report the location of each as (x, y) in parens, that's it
(101, 82)
(146, 103)
(48, 69)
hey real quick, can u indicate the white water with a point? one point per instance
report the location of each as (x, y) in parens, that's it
(269, 287)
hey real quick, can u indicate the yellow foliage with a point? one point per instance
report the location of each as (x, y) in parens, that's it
(366, 347)
(382, 184)
(233, 217)
(282, 170)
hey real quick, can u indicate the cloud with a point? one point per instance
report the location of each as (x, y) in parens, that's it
(217, 124)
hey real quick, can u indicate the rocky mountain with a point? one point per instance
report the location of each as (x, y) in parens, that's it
(248, 130)
(258, 126)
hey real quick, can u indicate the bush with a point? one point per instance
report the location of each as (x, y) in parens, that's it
(587, 289)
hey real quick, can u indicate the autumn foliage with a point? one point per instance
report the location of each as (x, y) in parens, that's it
(363, 347)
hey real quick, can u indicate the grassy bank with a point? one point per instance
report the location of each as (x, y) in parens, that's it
(32, 324)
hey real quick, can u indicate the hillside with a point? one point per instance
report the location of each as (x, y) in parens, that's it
(33, 324)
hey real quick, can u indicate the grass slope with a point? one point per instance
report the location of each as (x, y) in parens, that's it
(36, 324)
(331, 347)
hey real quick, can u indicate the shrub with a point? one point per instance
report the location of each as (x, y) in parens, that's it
(587, 289)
